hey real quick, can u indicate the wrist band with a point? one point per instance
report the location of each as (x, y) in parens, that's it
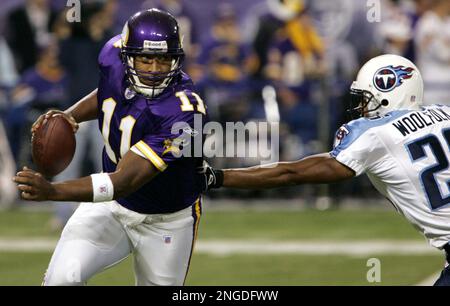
(102, 187)
(219, 178)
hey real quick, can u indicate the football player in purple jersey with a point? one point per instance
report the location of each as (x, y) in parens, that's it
(147, 199)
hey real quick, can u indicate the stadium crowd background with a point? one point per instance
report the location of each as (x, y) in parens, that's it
(308, 51)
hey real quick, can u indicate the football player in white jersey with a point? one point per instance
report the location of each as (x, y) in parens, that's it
(403, 148)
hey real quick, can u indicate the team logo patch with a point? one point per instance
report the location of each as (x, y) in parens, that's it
(159, 45)
(173, 145)
(129, 93)
(190, 131)
(340, 135)
(388, 78)
(167, 239)
(103, 189)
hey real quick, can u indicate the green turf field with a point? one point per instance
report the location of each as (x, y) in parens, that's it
(27, 269)
(251, 224)
(252, 269)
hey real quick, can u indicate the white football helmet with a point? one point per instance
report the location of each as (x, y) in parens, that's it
(386, 83)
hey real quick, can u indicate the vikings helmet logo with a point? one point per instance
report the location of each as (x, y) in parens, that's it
(388, 78)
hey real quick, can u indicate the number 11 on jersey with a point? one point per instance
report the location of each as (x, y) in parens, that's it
(126, 127)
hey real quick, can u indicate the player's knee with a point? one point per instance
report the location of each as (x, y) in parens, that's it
(62, 277)
(67, 273)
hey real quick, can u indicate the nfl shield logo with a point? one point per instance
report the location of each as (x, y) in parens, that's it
(167, 239)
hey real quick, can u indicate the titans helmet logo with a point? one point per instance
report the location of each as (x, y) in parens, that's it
(388, 78)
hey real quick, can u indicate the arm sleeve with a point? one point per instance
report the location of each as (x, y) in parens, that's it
(355, 149)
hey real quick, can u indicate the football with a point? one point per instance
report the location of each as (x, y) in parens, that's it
(53, 146)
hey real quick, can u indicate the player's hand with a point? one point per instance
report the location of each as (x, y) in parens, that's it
(211, 178)
(52, 113)
(33, 186)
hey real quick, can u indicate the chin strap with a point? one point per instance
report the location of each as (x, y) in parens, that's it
(146, 90)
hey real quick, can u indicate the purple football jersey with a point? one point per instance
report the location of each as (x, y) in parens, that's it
(131, 121)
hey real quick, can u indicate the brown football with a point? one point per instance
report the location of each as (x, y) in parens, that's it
(53, 146)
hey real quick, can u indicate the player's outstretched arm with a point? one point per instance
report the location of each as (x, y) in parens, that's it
(132, 173)
(315, 169)
(84, 110)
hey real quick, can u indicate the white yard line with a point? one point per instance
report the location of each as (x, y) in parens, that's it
(354, 248)
(230, 247)
(27, 245)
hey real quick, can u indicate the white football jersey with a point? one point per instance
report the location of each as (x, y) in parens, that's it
(406, 155)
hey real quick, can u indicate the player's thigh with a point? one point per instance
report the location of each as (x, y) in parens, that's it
(163, 254)
(91, 241)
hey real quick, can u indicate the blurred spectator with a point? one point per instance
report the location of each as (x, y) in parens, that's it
(415, 10)
(297, 52)
(433, 52)
(333, 21)
(395, 32)
(62, 28)
(8, 191)
(79, 53)
(185, 20)
(295, 61)
(8, 78)
(29, 29)
(108, 17)
(80, 50)
(41, 87)
(280, 11)
(8, 72)
(225, 61)
(8, 75)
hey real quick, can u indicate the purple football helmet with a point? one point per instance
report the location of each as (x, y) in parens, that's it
(151, 32)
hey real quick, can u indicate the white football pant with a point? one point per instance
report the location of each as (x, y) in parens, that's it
(100, 235)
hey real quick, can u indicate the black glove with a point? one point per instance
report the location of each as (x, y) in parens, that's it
(211, 178)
